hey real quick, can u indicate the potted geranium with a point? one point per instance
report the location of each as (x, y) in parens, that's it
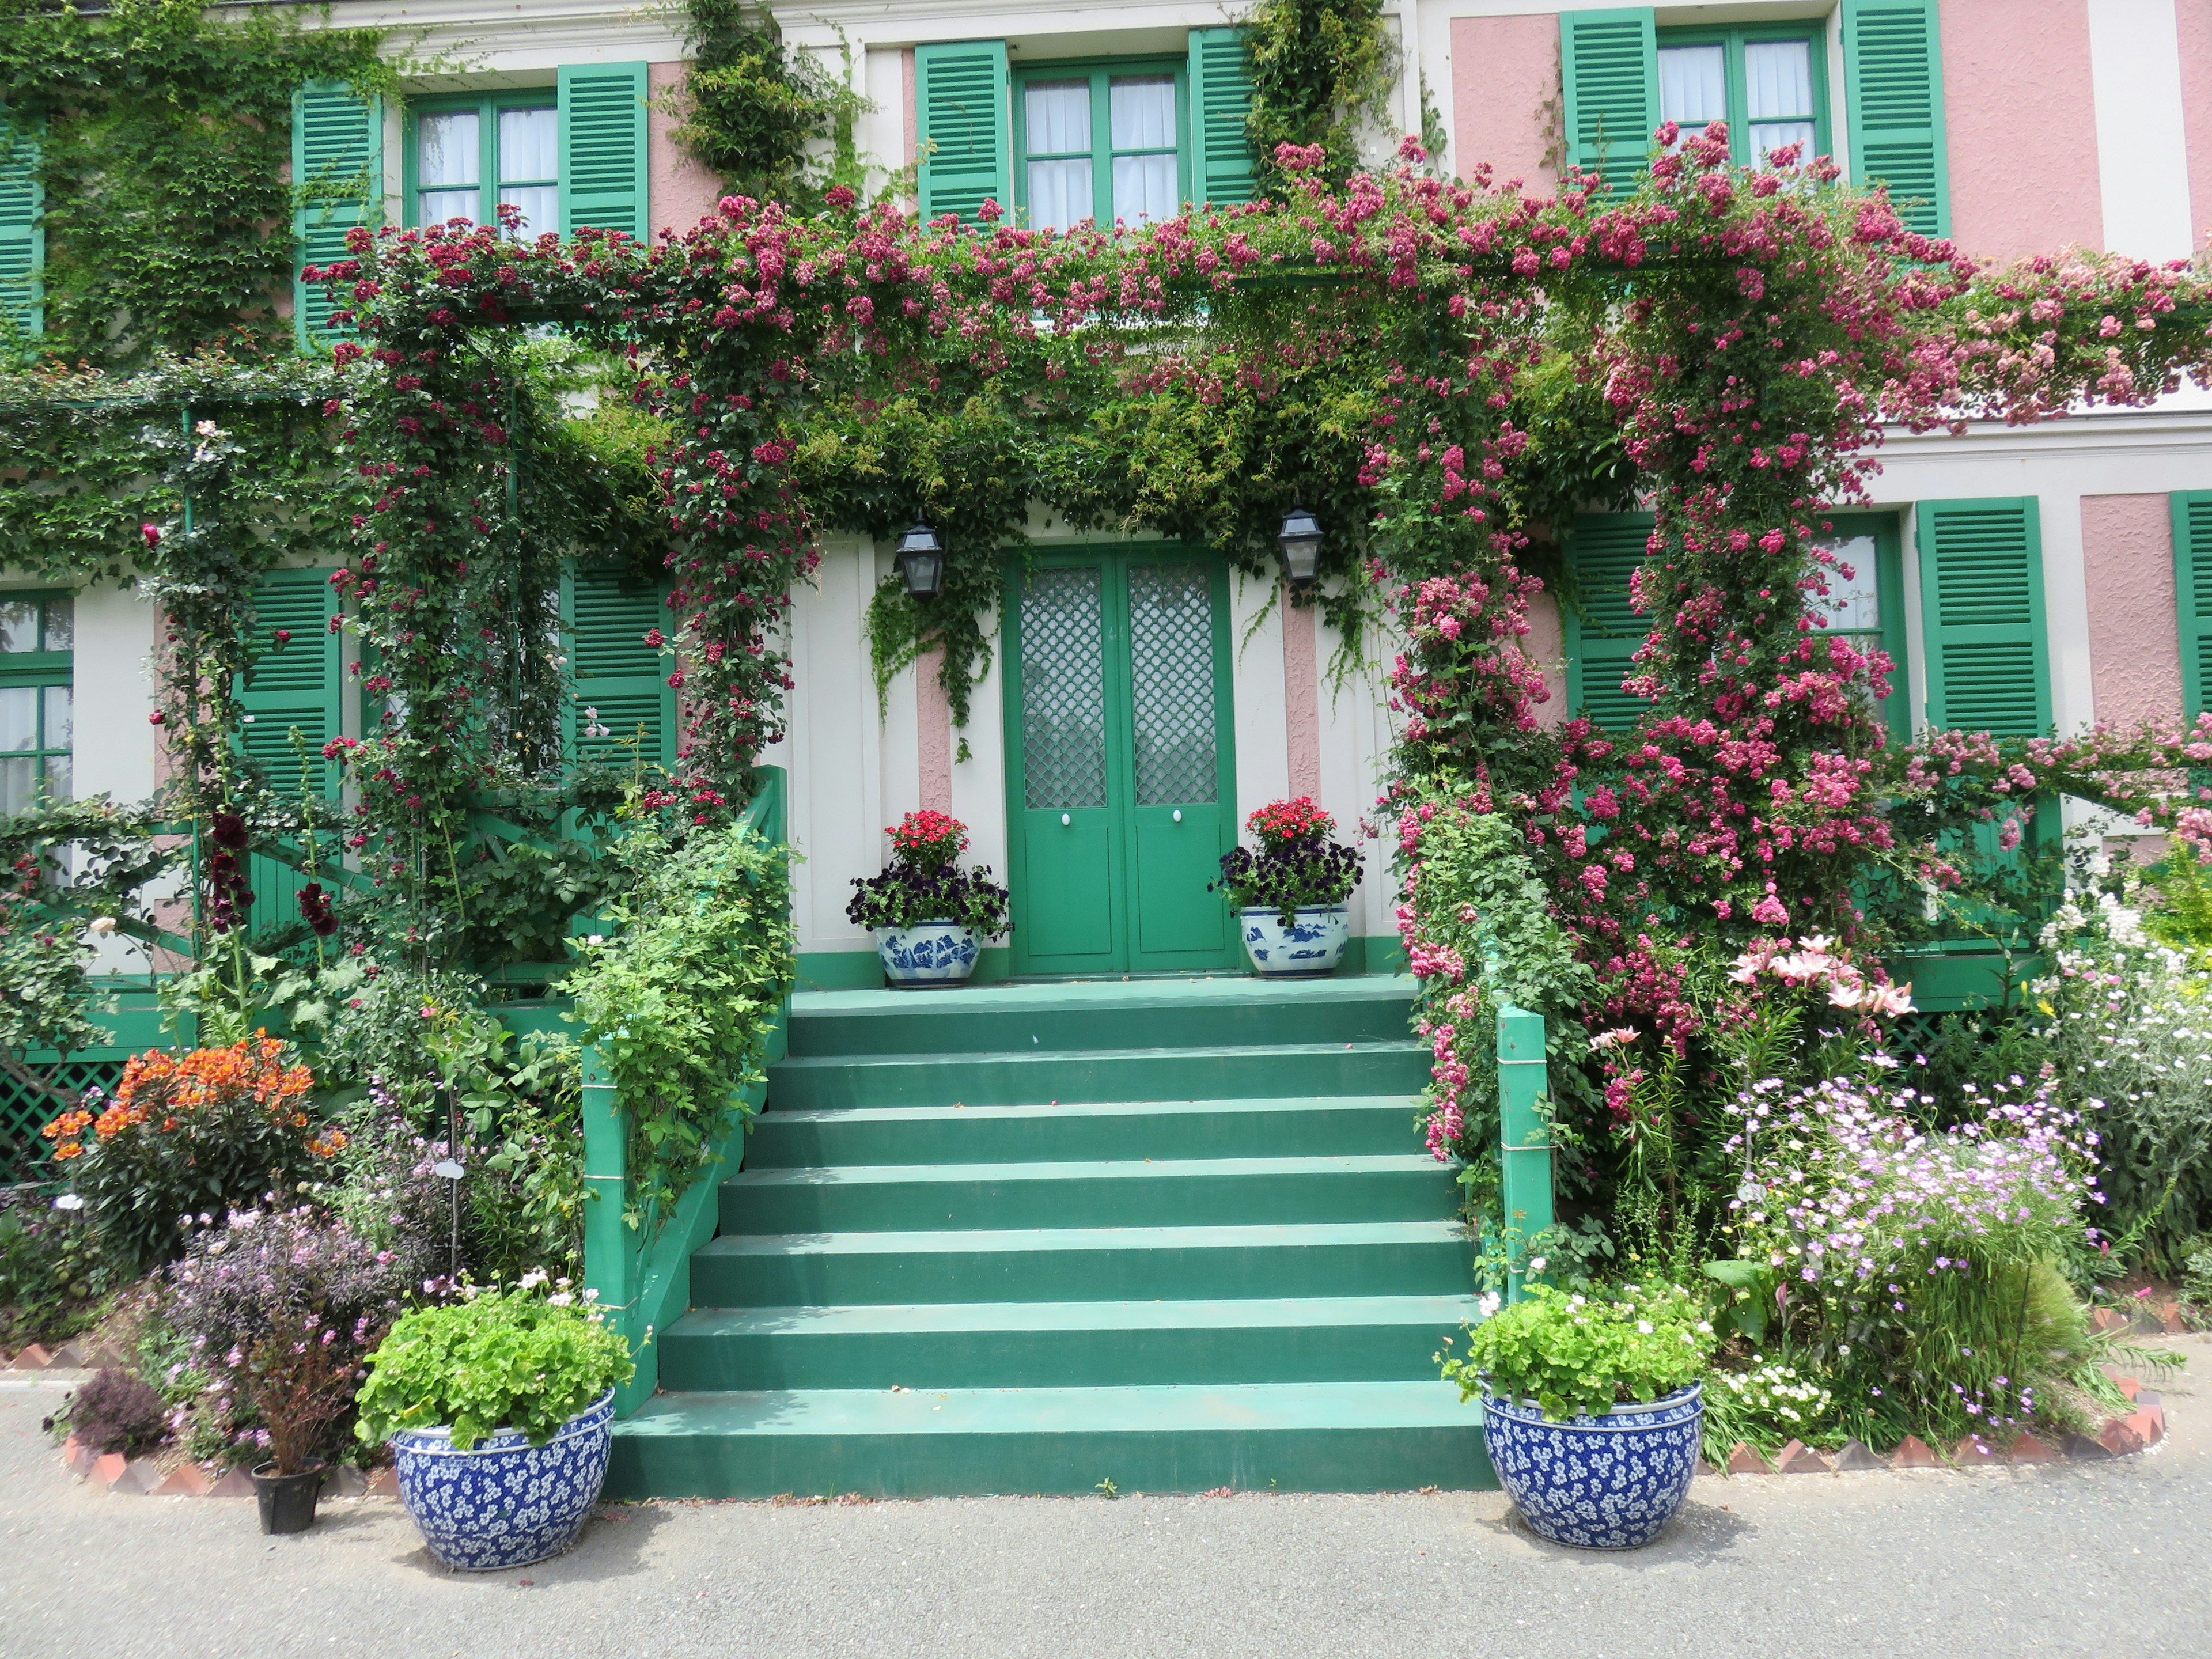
(1289, 896)
(281, 1307)
(1591, 1408)
(930, 917)
(500, 1412)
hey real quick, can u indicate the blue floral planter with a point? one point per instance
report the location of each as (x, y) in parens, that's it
(1312, 944)
(1599, 1483)
(929, 953)
(504, 1503)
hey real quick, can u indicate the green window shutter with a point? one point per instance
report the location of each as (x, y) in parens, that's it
(962, 116)
(1894, 77)
(2192, 590)
(1981, 606)
(337, 184)
(296, 679)
(1604, 632)
(22, 236)
(1224, 171)
(617, 681)
(1609, 81)
(603, 162)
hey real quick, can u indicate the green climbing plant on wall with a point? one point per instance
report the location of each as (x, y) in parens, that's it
(756, 113)
(1322, 74)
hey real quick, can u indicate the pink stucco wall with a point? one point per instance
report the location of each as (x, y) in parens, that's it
(2135, 654)
(1301, 696)
(933, 732)
(2195, 19)
(683, 192)
(2023, 168)
(1546, 642)
(1505, 97)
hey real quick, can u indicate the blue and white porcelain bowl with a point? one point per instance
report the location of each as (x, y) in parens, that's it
(504, 1503)
(929, 953)
(1313, 944)
(1599, 1483)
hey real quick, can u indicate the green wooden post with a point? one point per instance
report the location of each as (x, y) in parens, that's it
(1524, 1139)
(610, 1255)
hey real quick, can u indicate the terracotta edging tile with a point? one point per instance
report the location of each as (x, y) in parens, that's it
(1798, 1458)
(1744, 1459)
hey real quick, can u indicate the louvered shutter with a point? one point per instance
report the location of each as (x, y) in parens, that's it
(1226, 172)
(294, 679)
(618, 683)
(1610, 82)
(603, 163)
(2192, 589)
(22, 237)
(1981, 603)
(1604, 632)
(337, 184)
(962, 118)
(1894, 77)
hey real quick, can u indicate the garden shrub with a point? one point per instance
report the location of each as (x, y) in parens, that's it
(681, 1000)
(516, 1358)
(116, 1411)
(281, 1308)
(56, 1273)
(199, 1131)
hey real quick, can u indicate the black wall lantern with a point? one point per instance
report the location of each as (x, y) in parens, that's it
(920, 561)
(1300, 540)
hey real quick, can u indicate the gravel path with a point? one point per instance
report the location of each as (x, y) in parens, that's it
(2069, 1558)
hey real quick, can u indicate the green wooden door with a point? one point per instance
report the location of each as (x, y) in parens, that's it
(1120, 769)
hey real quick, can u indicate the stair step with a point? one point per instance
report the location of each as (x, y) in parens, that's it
(1020, 1345)
(1290, 1127)
(1130, 1193)
(1099, 1014)
(1288, 1437)
(1040, 1075)
(1107, 1264)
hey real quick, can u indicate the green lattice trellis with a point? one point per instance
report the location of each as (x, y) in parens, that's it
(1171, 684)
(24, 1111)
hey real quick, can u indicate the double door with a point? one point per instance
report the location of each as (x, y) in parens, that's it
(1120, 782)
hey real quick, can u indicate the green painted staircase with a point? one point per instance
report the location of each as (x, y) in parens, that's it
(1172, 1234)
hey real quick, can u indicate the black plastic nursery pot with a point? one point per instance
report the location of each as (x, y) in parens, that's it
(288, 1501)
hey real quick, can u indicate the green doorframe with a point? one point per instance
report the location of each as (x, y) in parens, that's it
(1123, 841)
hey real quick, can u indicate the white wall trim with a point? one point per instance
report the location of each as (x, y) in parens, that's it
(2143, 159)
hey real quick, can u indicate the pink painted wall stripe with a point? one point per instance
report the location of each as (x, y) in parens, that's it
(2135, 647)
(1504, 71)
(2021, 123)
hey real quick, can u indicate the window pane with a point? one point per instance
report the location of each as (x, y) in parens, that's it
(1057, 114)
(58, 783)
(61, 621)
(446, 150)
(1143, 187)
(1059, 194)
(1142, 110)
(19, 717)
(1767, 136)
(18, 779)
(1778, 76)
(530, 144)
(19, 625)
(439, 205)
(540, 205)
(59, 701)
(1693, 85)
(1854, 601)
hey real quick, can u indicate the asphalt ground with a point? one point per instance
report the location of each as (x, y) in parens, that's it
(2059, 1559)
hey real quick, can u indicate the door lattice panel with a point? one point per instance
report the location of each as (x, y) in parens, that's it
(1063, 690)
(1171, 684)
(24, 1111)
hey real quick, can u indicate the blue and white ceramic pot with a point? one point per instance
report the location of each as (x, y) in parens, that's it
(504, 1503)
(929, 953)
(1599, 1483)
(1313, 944)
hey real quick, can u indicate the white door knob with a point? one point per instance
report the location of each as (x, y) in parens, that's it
(1178, 815)
(1065, 820)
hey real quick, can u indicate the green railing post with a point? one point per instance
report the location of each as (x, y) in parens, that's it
(1524, 1139)
(611, 1254)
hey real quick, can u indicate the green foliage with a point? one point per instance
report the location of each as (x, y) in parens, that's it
(56, 1273)
(752, 109)
(167, 132)
(682, 1000)
(1767, 1403)
(1323, 73)
(1580, 1355)
(502, 1359)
